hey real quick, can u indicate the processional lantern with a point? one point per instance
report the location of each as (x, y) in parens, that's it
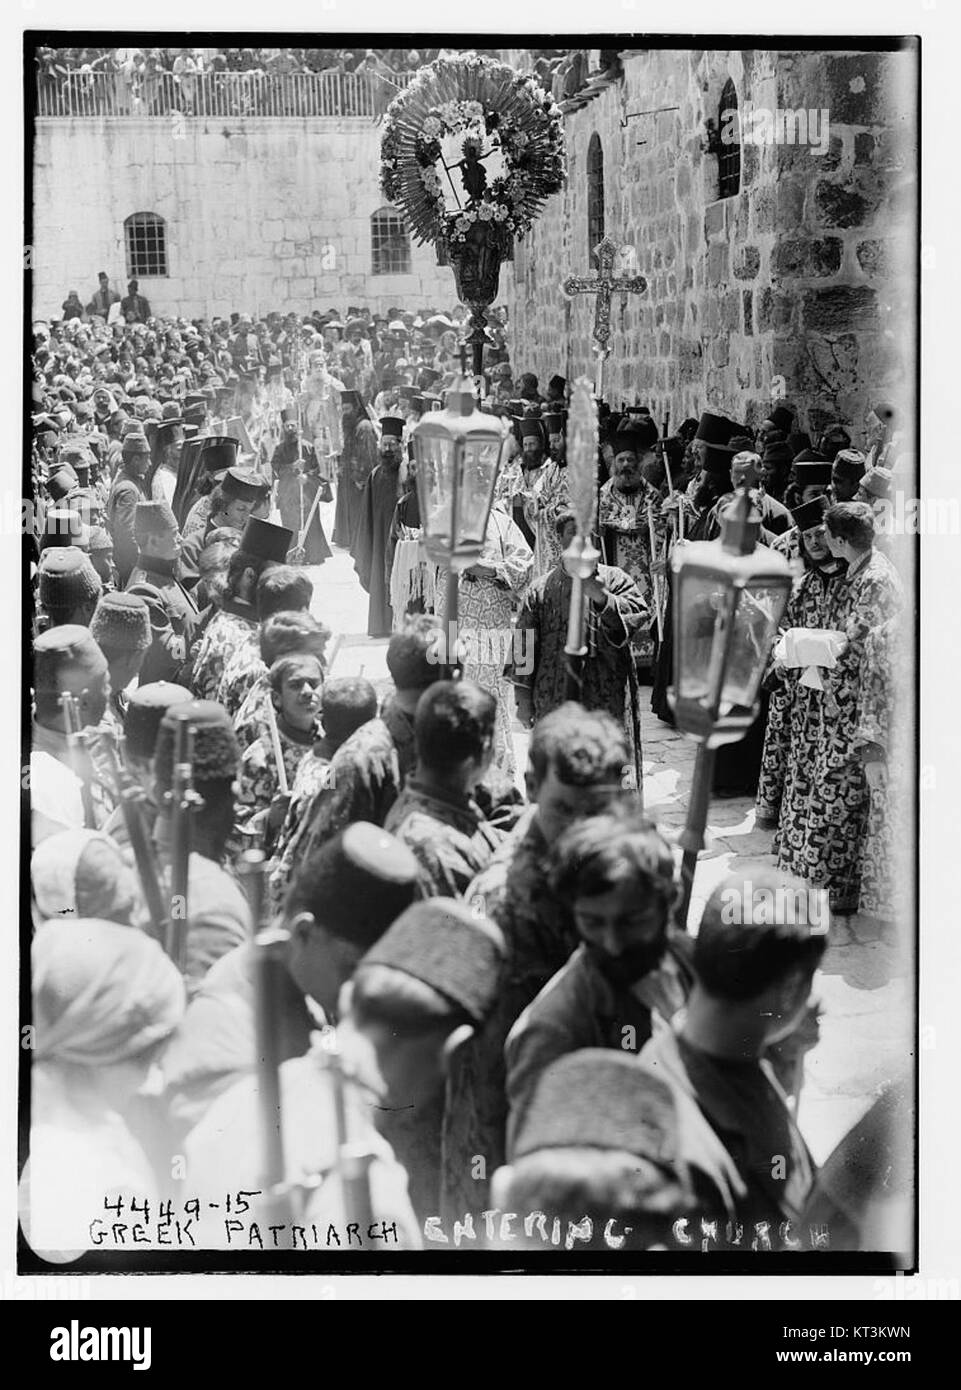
(729, 598)
(457, 452)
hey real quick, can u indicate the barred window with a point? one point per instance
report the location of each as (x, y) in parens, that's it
(595, 196)
(729, 145)
(389, 243)
(146, 238)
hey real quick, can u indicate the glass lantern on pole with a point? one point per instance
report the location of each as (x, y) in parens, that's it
(457, 452)
(729, 597)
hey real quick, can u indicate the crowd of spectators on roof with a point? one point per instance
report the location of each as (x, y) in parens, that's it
(155, 81)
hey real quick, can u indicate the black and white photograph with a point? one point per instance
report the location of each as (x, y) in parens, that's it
(469, 635)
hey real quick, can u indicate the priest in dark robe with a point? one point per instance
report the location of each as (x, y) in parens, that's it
(372, 537)
(615, 610)
(358, 458)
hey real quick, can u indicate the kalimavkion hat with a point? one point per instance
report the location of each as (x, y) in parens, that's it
(392, 427)
(264, 539)
(715, 430)
(808, 514)
(244, 483)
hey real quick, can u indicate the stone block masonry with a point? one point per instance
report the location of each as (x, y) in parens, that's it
(260, 214)
(799, 287)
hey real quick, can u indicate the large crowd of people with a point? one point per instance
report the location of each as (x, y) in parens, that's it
(311, 934)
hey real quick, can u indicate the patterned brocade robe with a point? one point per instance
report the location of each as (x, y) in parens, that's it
(449, 837)
(824, 809)
(626, 542)
(228, 632)
(259, 778)
(540, 495)
(486, 619)
(884, 721)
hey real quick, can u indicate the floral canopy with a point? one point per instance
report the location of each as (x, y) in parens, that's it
(499, 113)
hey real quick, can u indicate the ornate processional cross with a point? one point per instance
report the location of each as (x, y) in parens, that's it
(605, 286)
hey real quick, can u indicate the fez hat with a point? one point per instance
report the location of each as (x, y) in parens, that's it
(264, 539)
(715, 430)
(63, 526)
(877, 482)
(362, 880)
(850, 462)
(146, 708)
(808, 514)
(442, 943)
(153, 519)
(244, 483)
(392, 427)
(598, 1098)
(68, 647)
(135, 443)
(216, 751)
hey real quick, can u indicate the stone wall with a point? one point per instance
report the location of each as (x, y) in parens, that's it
(799, 287)
(261, 214)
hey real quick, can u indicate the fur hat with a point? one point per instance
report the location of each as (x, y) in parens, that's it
(216, 752)
(121, 623)
(67, 581)
(146, 708)
(443, 944)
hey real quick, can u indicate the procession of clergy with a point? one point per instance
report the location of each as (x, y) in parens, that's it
(485, 991)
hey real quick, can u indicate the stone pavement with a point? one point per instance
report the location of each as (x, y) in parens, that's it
(866, 986)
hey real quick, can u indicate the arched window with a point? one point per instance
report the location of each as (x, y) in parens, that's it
(146, 236)
(595, 196)
(389, 243)
(729, 143)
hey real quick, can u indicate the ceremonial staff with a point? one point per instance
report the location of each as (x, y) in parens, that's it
(580, 559)
(184, 801)
(271, 987)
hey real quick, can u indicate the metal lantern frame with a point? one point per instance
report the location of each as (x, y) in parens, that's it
(735, 567)
(460, 426)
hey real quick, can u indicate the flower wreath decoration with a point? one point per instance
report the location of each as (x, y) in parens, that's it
(488, 103)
